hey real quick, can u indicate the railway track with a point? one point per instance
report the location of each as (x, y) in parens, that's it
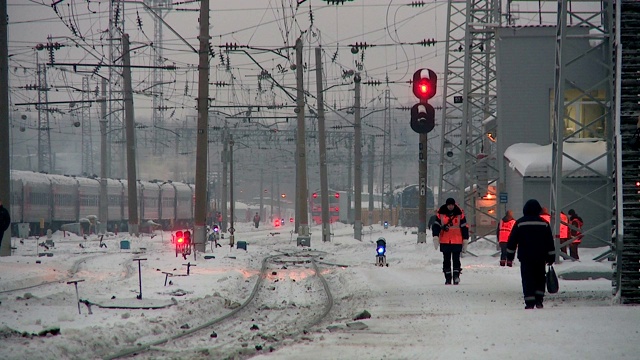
(289, 298)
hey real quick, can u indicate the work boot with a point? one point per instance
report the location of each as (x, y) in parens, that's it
(509, 263)
(447, 278)
(529, 305)
(503, 262)
(456, 277)
(539, 303)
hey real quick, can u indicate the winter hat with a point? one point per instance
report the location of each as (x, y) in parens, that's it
(572, 212)
(450, 201)
(532, 208)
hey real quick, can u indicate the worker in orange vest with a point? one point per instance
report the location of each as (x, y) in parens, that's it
(451, 233)
(576, 233)
(504, 230)
(544, 214)
(564, 231)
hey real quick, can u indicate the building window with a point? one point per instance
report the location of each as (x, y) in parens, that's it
(584, 116)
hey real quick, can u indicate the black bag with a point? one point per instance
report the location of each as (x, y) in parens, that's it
(552, 281)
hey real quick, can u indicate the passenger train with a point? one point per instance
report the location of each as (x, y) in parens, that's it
(49, 201)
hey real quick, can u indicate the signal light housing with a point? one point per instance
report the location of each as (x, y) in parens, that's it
(424, 84)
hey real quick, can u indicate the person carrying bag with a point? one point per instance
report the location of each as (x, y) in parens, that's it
(552, 280)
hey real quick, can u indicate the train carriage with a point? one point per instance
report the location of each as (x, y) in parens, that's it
(16, 197)
(115, 201)
(88, 197)
(149, 200)
(408, 201)
(65, 200)
(167, 203)
(184, 202)
(36, 189)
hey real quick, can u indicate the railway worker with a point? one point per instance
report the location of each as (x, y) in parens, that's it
(433, 218)
(576, 233)
(256, 220)
(451, 233)
(5, 221)
(504, 230)
(564, 231)
(531, 236)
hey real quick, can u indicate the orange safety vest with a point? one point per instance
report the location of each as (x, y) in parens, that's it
(546, 217)
(564, 229)
(454, 234)
(576, 222)
(505, 230)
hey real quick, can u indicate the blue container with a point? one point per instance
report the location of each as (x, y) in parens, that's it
(242, 245)
(125, 245)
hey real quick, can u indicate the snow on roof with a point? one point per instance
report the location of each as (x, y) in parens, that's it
(533, 160)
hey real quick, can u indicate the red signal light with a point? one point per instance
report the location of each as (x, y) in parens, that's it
(423, 88)
(337, 209)
(315, 195)
(337, 195)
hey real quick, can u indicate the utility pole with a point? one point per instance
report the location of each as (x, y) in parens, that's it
(5, 166)
(262, 214)
(103, 213)
(301, 165)
(202, 142)
(370, 176)
(350, 210)
(324, 187)
(131, 138)
(231, 201)
(225, 177)
(357, 145)
(87, 134)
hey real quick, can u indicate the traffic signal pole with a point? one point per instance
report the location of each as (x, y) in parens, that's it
(357, 146)
(423, 121)
(422, 175)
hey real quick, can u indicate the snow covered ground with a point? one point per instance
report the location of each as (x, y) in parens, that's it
(413, 314)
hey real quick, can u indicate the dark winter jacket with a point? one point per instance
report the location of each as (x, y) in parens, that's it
(432, 220)
(532, 236)
(5, 219)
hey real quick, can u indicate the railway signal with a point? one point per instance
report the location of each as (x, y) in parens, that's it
(381, 250)
(424, 88)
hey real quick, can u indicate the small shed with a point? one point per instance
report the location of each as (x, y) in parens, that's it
(528, 176)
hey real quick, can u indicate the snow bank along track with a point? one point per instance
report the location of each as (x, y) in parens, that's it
(289, 297)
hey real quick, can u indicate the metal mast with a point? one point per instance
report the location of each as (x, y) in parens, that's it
(469, 106)
(85, 117)
(116, 133)
(45, 164)
(158, 74)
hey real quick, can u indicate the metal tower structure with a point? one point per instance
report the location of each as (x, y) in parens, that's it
(595, 92)
(626, 235)
(87, 142)
(116, 133)
(468, 160)
(45, 163)
(158, 6)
